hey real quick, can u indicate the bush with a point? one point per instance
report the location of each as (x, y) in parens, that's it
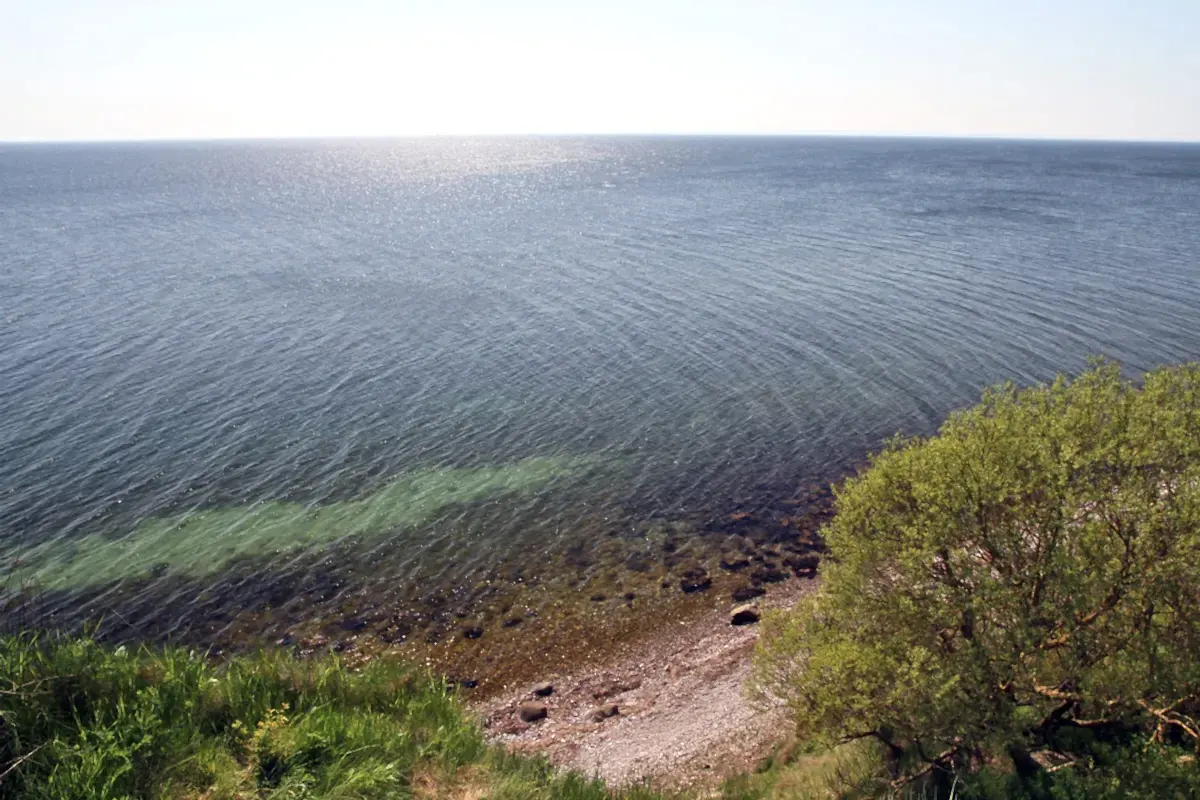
(1030, 573)
(1137, 769)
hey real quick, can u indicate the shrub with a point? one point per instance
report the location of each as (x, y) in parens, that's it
(1030, 572)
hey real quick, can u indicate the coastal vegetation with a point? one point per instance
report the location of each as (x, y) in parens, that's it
(1019, 594)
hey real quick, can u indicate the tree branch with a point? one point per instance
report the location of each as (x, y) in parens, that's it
(937, 762)
(1064, 638)
(895, 749)
(1056, 694)
(1188, 726)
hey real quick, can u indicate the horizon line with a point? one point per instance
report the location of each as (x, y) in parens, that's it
(610, 135)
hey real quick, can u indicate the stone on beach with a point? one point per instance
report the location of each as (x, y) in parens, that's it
(532, 711)
(745, 614)
(603, 712)
(616, 686)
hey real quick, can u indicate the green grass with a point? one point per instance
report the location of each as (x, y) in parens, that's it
(854, 769)
(82, 721)
(207, 541)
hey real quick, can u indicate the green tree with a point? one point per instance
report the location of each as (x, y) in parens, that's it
(1029, 574)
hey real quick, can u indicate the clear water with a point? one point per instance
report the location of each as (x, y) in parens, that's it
(443, 355)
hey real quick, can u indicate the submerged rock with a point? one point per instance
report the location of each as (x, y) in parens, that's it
(637, 563)
(695, 580)
(768, 574)
(744, 593)
(473, 632)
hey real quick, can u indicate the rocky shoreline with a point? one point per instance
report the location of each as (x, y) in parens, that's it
(674, 580)
(505, 625)
(667, 707)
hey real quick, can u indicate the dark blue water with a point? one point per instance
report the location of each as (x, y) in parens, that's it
(522, 342)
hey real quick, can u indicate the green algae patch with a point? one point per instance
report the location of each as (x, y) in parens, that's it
(206, 541)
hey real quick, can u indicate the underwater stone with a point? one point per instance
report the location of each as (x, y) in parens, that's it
(695, 580)
(744, 593)
(768, 574)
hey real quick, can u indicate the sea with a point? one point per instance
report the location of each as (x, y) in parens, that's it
(405, 367)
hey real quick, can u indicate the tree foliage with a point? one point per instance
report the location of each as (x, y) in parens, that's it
(1030, 572)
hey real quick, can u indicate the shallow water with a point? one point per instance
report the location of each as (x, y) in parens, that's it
(442, 357)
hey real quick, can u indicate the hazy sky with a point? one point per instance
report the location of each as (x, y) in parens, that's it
(137, 69)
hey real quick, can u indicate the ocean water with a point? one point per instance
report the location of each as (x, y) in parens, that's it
(427, 358)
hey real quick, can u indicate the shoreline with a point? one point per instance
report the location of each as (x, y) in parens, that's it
(565, 606)
(692, 575)
(667, 707)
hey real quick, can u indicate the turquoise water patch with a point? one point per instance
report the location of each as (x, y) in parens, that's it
(204, 542)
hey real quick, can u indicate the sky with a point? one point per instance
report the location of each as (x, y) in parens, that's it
(161, 69)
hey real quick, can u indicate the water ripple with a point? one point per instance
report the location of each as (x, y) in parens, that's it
(207, 331)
